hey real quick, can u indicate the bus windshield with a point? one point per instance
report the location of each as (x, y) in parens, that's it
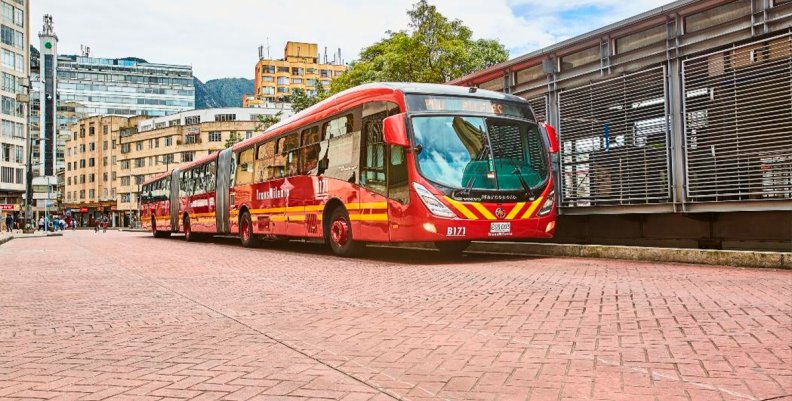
(480, 153)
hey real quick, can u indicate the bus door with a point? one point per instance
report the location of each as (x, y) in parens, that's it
(373, 211)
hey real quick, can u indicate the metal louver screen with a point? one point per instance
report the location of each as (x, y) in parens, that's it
(614, 141)
(738, 123)
(539, 106)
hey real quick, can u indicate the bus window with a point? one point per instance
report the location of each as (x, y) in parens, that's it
(289, 146)
(372, 169)
(244, 171)
(209, 177)
(337, 127)
(264, 158)
(309, 153)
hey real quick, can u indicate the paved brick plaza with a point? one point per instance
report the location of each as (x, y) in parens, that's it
(126, 316)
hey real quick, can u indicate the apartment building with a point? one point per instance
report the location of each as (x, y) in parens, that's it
(92, 168)
(301, 67)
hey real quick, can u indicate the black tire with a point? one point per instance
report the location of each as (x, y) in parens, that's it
(452, 248)
(246, 234)
(189, 235)
(340, 237)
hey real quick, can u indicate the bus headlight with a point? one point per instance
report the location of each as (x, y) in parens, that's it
(547, 207)
(431, 202)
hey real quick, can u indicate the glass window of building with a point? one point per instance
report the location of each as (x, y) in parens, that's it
(717, 16)
(641, 39)
(214, 136)
(580, 58)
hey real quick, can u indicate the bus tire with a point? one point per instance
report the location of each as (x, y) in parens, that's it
(246, 234)
(340, 236)
(189, 235)
(452, 248)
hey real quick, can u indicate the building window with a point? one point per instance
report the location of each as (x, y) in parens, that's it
(297, 81)
(192, 139)
(248, 134)
(717, 16)
(267, 79)
(140, 162)
(214, 136)
(283, 90)
(91, 162)
(283, 80)
(124, 148)
(168, 159)
(225, 117)
(283, 69)
(641, 39)
(529, 74)
(139, 145)
(580, 58)
(192, 120)
(188, 156)
(124, 164)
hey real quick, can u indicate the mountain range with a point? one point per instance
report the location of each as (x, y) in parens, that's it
(223, 92)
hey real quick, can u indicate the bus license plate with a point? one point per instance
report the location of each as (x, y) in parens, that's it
(500, 228)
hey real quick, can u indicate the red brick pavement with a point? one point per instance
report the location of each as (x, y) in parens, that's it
(124, 316)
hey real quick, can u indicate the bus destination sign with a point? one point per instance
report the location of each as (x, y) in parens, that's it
(468, 104)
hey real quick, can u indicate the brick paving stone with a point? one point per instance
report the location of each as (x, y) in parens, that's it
(124, 316)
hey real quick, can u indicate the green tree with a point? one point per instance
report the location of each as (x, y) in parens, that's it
(233, 139)
(301, 100)
(434, 49)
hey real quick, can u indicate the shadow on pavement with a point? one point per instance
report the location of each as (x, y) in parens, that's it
(374, 253)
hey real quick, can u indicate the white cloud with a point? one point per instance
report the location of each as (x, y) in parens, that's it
(221, 38)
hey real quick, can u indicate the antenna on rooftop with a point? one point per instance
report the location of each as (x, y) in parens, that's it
(268, 48)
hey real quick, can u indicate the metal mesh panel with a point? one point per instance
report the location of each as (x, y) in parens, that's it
(539, 106)
(738, 123)
(614, 141)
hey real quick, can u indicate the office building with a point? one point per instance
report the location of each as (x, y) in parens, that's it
(14, 44)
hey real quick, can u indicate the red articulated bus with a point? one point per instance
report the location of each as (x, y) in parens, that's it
(386, 162)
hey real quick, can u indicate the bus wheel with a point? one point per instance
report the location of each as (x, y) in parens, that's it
(189, 236)
(340, 236)
(452, 248)
(246, 231)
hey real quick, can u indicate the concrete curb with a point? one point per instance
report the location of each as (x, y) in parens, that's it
(3, 240)
(778, 260)
(775, 260)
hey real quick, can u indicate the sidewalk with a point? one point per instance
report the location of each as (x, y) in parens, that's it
(5, 236)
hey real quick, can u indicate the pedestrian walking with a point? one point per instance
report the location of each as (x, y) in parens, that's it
(9, 221)
(105, 222)
(41, 224)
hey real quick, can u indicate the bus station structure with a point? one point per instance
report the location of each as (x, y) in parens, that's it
(675, 125)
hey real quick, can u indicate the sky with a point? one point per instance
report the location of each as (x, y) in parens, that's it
(220, 39)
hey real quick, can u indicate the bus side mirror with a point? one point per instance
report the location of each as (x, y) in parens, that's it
(394, 130)
(552, 137)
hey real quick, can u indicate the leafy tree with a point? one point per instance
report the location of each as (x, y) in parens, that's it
(301, 100)
(264, 122)
(233, 139)
(434, 49)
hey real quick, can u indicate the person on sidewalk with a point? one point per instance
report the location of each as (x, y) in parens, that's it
(41, 224)
(9, 221)
(105, 223)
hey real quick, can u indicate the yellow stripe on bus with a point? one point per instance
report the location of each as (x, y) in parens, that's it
(532, 208)
(369, 217)
(484, 212)
(464, 210)
(515, 210)
(367, 205)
